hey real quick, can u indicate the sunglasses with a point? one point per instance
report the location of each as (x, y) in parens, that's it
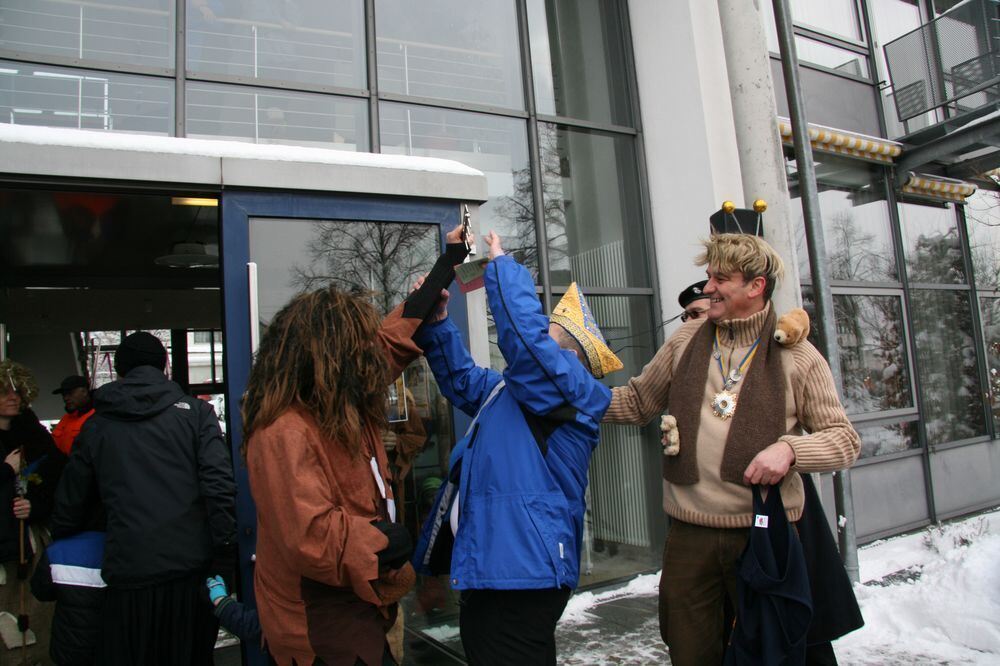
(692, 314)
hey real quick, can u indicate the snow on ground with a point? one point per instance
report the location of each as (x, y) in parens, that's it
(577, 609)
(944, 608)
(932, 597)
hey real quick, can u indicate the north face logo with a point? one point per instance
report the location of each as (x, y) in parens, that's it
(182, 405)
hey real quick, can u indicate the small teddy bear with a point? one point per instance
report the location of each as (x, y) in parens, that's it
(671, 438)
(791, 328)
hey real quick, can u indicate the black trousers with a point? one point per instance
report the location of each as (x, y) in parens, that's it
(170, 624)
(503, 627)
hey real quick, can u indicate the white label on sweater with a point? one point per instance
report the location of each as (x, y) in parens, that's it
(760, 520)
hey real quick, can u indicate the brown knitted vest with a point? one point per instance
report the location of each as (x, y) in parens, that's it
(760, 413)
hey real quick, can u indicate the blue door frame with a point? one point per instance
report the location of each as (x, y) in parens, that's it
(238, 207)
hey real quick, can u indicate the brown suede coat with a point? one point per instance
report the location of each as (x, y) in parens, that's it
(318, 587)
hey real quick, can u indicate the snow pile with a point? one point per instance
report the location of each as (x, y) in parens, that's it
(577, 610)
(931, 597)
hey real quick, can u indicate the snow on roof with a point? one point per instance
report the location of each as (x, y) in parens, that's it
(57, 136)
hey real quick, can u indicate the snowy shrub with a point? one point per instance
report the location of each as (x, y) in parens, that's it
(942, 538)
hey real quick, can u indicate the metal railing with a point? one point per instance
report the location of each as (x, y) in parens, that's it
(952, 60)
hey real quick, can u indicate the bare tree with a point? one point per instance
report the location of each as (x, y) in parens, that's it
(380, 257)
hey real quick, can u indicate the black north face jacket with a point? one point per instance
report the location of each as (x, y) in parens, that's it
(157, 460)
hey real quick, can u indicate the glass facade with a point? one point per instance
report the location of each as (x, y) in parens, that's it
(915, 283)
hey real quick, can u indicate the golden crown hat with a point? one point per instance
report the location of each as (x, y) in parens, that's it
(573, 314)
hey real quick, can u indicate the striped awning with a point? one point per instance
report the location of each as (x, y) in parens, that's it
(937, 188)
(852, 144)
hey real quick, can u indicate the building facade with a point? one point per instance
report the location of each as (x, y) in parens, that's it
(607, 134)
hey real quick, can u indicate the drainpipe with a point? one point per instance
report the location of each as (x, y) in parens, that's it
(816, 244)
(762, 164)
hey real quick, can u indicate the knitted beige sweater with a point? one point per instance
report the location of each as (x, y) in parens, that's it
(817, 427)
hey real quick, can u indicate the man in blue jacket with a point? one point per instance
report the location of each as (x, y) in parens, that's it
(508, 522)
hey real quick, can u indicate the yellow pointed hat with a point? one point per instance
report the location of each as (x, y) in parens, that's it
(573, 314)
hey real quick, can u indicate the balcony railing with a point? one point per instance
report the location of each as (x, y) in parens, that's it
(952, 61)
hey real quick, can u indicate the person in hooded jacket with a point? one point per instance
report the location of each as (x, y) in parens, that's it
(29, 475)
(157, 460)
(508, 523)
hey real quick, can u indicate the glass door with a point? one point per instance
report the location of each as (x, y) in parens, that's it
(278, 245)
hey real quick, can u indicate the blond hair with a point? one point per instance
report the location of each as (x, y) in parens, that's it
(743, 253)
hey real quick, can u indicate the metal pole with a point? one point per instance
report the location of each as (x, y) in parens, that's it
(816, 245)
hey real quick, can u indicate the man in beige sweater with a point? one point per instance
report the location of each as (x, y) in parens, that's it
(748, 412)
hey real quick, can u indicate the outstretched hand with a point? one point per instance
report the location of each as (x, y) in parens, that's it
(441, 312)
(493, 241)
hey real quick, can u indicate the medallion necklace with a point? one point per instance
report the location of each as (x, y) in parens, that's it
(724, 402)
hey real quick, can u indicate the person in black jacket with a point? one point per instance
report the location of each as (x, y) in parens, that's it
(29, 472)
(157, 460)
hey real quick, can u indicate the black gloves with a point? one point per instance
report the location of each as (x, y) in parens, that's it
(422, 302)
(400, 545)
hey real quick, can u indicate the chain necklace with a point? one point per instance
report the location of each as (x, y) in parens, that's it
(724, 402)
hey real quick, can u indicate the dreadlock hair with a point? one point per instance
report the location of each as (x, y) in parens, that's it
(320, 353)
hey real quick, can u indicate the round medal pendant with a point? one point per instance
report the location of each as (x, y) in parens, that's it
(724, 404)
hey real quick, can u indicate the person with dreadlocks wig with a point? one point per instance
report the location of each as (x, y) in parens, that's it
(331, 560)
(28, 477)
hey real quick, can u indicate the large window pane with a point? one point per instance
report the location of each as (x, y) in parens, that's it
(495, 145)
(839, 17)
(831, 57)
(880, 440)
(593, 222)
(578, 59)
(982, 220)
(61, 97)
(990, 313)
(318, 42)
(856, 223)
(461, 50)
(132, 32)
(951, 394)
(872, 347)
(931, 244)
(272, 116)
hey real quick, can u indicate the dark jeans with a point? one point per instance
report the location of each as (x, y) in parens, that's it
(698, 578)
(504, 627)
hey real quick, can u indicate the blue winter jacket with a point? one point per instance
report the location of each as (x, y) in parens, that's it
(520, 472)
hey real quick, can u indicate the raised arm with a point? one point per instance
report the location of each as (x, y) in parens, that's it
(542, 376)
(398, 327)
(461, 381)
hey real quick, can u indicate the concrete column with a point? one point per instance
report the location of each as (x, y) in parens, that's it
(762, 166)
(687, 132)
